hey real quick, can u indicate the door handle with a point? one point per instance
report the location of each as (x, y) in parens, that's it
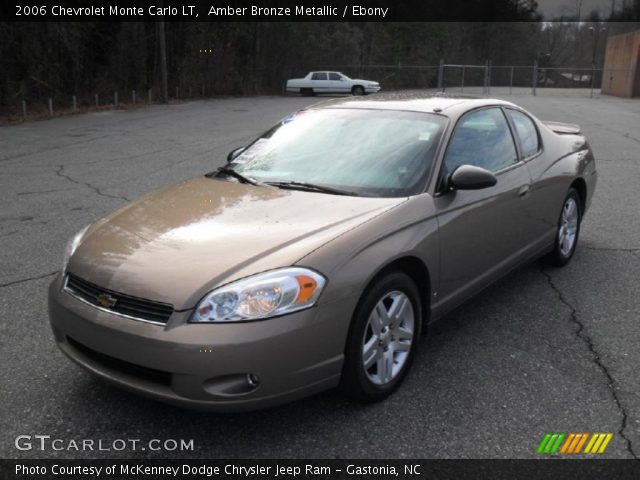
(524, 190)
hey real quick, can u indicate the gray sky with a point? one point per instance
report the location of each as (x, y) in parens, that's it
(554, 8)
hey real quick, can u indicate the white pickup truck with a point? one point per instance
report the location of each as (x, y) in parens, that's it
(331, 82)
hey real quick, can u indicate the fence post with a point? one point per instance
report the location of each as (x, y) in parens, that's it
(149, 95)
(485, 82)
(75, 104)
(115, 98)
(441, 76)
(24, 109)
(97, 103)
(50, 107)
(511, 82)
(133, 96)
(593, 76)
(535, 76)
(462, 90)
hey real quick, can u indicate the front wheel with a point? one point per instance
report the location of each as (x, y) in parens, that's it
(357, 91)
(382, 338)
(568, 230)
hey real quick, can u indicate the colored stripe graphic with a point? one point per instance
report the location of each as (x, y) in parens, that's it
(598, 443)
(567, 443)
(544, 441)
(594, 437)
(572, 443)
(550, 443)
(605, 443)
(556, 445)
(579, 446)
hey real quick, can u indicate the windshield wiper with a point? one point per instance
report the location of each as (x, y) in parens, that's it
(311, 187)
(238, 176)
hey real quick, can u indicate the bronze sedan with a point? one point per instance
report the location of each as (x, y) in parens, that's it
(320, 252)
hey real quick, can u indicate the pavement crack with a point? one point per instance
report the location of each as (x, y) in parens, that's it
(59, 172)
(609, 249)
(588, 341)
(37, 192)
(8, 234)
(39, 277)
(631, 137)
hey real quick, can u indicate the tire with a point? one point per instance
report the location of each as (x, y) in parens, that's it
(357, 91)
(393, 342)
(307, 92)
(568, 230)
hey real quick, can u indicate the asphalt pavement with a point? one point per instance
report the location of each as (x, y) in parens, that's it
(543, 350)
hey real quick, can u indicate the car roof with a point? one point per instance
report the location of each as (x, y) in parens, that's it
(414, 101)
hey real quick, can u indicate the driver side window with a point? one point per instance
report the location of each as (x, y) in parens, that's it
(483, 139)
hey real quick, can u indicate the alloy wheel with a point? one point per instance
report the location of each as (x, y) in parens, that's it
(568, 228)
(388, 337)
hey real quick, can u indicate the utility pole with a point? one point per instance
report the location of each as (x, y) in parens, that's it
(579, 9)
(595, 38)
(163, 62)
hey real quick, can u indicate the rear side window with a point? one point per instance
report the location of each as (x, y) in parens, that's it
(527, 133)
(319, 76)
(483, 139)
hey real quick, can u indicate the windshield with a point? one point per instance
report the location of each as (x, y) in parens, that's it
(379, 153)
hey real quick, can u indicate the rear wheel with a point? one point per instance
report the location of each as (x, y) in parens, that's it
(357, 91)
(568, 230)
(382, 339)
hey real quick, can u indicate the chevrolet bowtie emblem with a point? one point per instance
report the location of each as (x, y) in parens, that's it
(105, 300)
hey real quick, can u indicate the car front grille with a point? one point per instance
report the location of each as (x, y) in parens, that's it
(118, 303)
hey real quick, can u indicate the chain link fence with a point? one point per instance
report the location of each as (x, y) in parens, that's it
(521, 80)
(485, 79)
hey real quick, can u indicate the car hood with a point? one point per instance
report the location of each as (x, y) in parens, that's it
(177, 244)
(369, 82)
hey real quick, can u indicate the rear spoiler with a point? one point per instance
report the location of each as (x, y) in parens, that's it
(563, 128)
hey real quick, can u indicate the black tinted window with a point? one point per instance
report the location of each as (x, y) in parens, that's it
(526, 131)
(334, 76)
(319, 76)
(483, 139)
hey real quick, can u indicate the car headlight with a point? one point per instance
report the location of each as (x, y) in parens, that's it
(261, 296)
(72, 244)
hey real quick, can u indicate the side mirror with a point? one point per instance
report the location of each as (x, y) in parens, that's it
(234, 153)
(468, 177)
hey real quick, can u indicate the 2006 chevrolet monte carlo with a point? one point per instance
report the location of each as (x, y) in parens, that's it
(318, 255)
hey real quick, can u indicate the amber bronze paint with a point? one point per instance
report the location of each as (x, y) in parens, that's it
(176, 245)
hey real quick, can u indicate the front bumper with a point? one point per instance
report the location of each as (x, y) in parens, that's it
(372, 88)
(205, 366)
